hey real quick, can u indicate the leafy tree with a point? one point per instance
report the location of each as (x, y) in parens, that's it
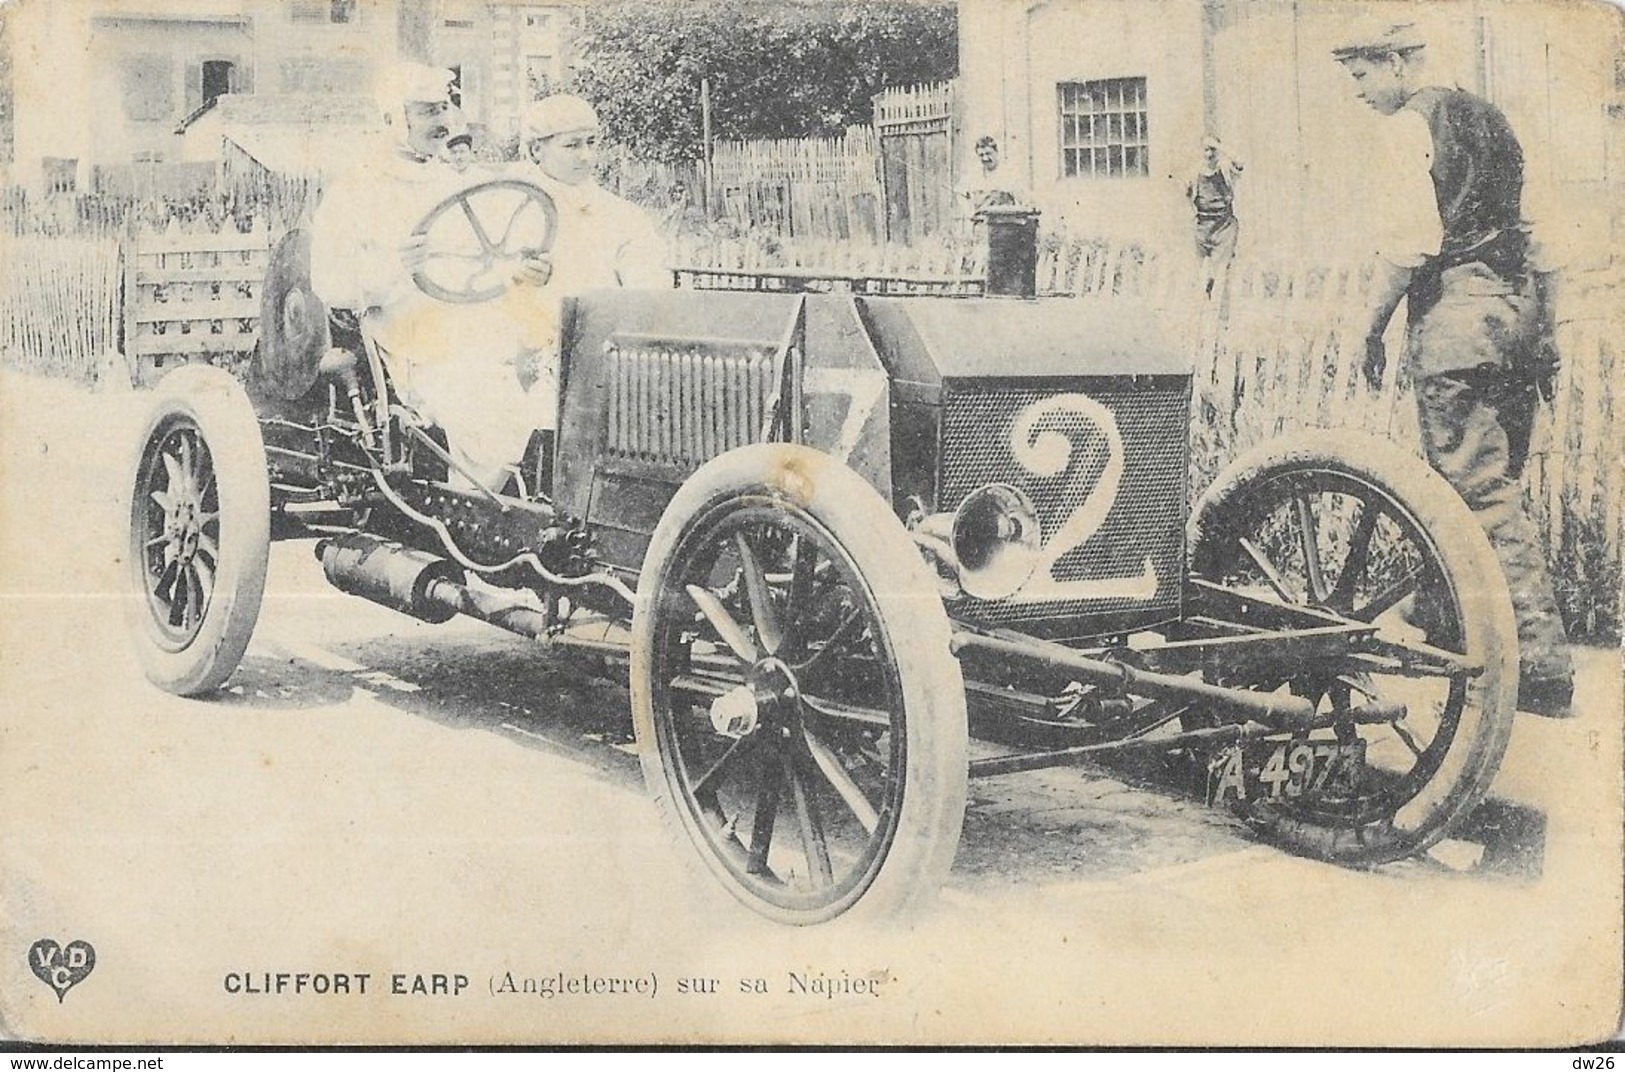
(777, 68)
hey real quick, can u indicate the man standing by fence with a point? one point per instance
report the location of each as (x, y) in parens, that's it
(1212, 194)
(991, 188)
(1453, 243)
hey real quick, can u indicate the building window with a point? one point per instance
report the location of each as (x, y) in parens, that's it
(537, 20)
(61, 174)
(465, 87)
(1103, 128)
(217, 79)
(322, 12)
(459, 24)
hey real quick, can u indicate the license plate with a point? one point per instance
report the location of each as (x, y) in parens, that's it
(1273, 771)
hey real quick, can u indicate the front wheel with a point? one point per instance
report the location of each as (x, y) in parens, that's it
(1360, 529)
(200, 517)
(799, 715)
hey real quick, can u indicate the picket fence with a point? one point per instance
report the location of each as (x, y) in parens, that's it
(61, 305)
(1279, 347)
(1275, 348)
(940, 257)
(802, 187)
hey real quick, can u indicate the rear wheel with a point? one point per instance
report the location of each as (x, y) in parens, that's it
(1365, 531)
(199, 531)
(800, 717)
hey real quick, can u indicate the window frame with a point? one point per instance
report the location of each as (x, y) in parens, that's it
(323, 12)
(147, 87)
(233, 74)
(1118, 142)
(59, 174)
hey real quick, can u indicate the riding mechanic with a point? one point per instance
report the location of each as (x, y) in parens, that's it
(603, 241)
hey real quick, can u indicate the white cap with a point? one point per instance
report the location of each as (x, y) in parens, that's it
(403, 83)
(558, 114)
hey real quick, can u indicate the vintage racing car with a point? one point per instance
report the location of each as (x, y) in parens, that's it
(830, 534)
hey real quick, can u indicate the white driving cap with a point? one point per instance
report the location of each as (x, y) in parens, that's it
(558, 114)
(407, 82)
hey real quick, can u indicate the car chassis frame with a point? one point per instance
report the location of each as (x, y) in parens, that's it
(807, 657)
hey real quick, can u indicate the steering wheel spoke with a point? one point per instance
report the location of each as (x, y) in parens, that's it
(513, 221)
(475, 225)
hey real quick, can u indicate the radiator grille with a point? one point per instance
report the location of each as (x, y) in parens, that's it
(679, 404)
(1146, 521)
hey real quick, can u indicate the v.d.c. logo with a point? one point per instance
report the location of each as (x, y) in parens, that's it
(61, 968)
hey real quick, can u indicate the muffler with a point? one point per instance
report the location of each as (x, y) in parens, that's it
(390, 574)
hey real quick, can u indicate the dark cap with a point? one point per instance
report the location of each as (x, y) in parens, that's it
(1377, 42)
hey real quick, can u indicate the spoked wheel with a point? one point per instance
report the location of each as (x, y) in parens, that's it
(1363, 530)
(199, 531)
(800, 717)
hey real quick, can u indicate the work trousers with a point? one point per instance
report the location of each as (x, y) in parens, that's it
(1216, 238)
(1471, 426)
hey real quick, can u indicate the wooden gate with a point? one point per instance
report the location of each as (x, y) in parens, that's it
(193, 298)
(915, 128)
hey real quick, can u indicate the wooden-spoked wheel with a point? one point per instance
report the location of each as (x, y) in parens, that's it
(199, 530)
(1359, 528)
(800, 717)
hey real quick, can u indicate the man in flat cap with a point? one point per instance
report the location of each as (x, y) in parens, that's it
(1452, 241)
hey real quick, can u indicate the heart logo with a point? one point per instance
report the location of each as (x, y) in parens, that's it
(61, 968)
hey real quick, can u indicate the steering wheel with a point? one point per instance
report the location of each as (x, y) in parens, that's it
(463, 264)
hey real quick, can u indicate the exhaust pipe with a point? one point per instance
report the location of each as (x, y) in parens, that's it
(417, 583)
(398, 577)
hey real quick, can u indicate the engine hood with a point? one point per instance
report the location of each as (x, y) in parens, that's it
(926, 341)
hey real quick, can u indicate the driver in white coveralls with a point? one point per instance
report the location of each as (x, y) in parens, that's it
(454, 364)
(485, 373)
(361, 253)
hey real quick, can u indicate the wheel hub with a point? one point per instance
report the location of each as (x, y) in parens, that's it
(182, 527)
(769, 695)
(734, 713)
